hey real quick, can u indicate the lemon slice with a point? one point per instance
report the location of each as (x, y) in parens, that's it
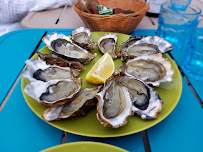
(102, 70)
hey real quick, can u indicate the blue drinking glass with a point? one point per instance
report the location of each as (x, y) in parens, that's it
(175, 26)
(193, 59)
(180, 5)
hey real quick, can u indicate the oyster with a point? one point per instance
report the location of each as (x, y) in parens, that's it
(145, 46)
(153, 69)
(81, 36)
(62, 45)
(53, 92)
(115, 105)
(82, 103)
(136, 50)
(107, 43)
(163, 45)
(122, 49)
(55, 60)
(146, 101)
(38, 70)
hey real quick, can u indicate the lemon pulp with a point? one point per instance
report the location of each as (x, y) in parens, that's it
(102, 70)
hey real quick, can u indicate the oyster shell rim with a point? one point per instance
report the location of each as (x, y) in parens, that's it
(61, 101)
(54, 36)
(32, 67)
(79, 30)
(156, 40)
(46, 57)
(169, 71)
(76, 111)
(105, 36)
(153, 96)
(119, 52)
(106, 121)
(88, 46)
(152, 40)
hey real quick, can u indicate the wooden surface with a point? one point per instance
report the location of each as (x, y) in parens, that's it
(68, 19)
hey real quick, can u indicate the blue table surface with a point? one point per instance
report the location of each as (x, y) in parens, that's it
(22, 130)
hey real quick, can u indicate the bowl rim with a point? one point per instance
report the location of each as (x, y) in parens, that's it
(140, 12)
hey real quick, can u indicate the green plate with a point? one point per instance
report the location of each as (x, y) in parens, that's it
(88, 125)
(84, 147)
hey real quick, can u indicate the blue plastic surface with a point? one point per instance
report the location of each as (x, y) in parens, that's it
(15, 47)
(21, 130)
(182, 129)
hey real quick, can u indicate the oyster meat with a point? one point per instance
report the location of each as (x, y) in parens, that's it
(53, 92)
(145, 46)
(62, 45)
(163, 45)
(115, 105)
(146, 102)
(52, 59)
(136, 50)
(153, 69)
(38, 70)
(82, 103)
(122, 49)
(107, 43)
(81, 36)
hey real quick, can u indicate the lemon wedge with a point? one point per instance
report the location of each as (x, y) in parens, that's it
(102, 70)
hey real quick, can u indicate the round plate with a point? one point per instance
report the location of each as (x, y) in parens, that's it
(88, 125)
(84, 147)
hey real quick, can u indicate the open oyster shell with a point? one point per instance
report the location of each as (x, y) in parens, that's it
(146, 101)
(52, 59)
(38, 70)
(62, 45)
(53, 92)
(122, 49)
(153, 69)
(163, 45)
(81, 36)
(107, 43)
(82, 103)
(144, 46)
(115, 105)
